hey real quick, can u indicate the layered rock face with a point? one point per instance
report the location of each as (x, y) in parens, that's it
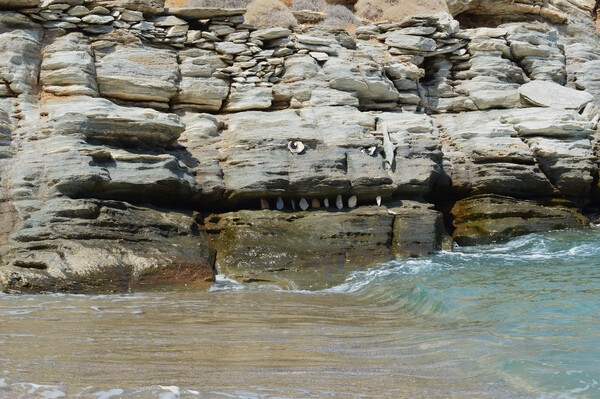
(141, 145)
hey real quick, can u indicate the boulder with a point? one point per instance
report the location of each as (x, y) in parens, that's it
(364, 77)
(486, 219)
(257, 162)
(67, 165)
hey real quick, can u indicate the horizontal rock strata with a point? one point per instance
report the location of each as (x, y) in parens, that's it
(141, 145)
(314, 250)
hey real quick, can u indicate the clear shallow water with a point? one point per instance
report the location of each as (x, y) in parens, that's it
(518, 320)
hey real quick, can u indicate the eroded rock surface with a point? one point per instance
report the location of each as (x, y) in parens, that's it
(487, 219)
(319, 249)
(128, 132)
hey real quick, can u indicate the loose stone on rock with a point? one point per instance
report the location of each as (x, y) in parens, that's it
(303, 204)
(264, 204)
(339, 202)
(352, 201)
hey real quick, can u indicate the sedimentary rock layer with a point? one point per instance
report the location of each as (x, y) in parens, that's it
(138, 145)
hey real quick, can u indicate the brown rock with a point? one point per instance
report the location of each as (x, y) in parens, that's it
(317, 249)
(485, 219)
(18, 3)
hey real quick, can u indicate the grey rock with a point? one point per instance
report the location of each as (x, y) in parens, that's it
(364, 77)
(270, 34)
(20, 46)
(132, 16)
(102, 120)
(97, 19)
(150, 7)
(230, 48)
(78, 11)
(550, 94)
(204, 94)
(535, 47)
(137, 72)
(485, 155)
(168, 20)
(248, 97)
(411, 44)
(68, 67)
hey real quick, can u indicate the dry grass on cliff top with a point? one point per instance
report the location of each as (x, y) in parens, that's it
(270, 13)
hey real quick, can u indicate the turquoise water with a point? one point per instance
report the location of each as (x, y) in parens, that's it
(519, 319)
(530, 307)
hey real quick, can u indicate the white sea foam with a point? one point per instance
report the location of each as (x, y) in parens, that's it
(111, 393)
(224, 283)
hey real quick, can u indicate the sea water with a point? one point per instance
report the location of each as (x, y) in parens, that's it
(513, 320)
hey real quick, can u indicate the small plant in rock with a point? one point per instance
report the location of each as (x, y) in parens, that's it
(340, 17)
(269, 14)
(310, 5)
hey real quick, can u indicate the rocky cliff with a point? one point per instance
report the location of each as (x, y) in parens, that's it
(142, 145)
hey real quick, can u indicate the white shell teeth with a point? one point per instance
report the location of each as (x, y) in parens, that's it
(303, 204)
(326, 202)
(296, 147)
(339, 201)
(352, 201)
(378, 200)
(279, 204)
(264, 204)
(293, 204)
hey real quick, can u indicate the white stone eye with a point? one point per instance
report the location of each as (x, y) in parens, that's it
(295, 147)
(370, 151)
